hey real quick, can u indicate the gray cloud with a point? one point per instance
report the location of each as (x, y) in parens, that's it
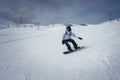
(60, 11)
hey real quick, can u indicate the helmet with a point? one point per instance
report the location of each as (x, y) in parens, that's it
(68, 28)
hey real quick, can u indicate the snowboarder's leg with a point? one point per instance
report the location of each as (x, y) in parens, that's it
(67, 44)
(74, 43)
(68, 47)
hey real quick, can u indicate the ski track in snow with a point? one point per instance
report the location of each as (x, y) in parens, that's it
(31, 54)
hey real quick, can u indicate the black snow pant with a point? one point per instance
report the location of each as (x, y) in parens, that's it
(67, 44)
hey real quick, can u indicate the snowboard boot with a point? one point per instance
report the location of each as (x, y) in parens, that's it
(70, 50)
(77, 47)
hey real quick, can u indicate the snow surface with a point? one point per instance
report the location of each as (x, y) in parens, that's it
(32, 54)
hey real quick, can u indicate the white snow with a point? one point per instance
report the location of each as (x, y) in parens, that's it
(32, 54)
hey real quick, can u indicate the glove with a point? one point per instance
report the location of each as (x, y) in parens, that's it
(62, 41)
(80, 38)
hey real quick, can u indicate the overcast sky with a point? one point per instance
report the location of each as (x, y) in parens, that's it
(59, 11)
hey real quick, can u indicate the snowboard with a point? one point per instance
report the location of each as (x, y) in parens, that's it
(67, 52)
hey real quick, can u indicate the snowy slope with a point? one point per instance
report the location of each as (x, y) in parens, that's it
(31, 54)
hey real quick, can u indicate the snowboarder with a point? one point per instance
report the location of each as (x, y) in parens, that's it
(67, 38)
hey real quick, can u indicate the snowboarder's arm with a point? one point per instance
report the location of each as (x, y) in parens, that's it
(76, 36)
(72, 34)
(64, 36)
